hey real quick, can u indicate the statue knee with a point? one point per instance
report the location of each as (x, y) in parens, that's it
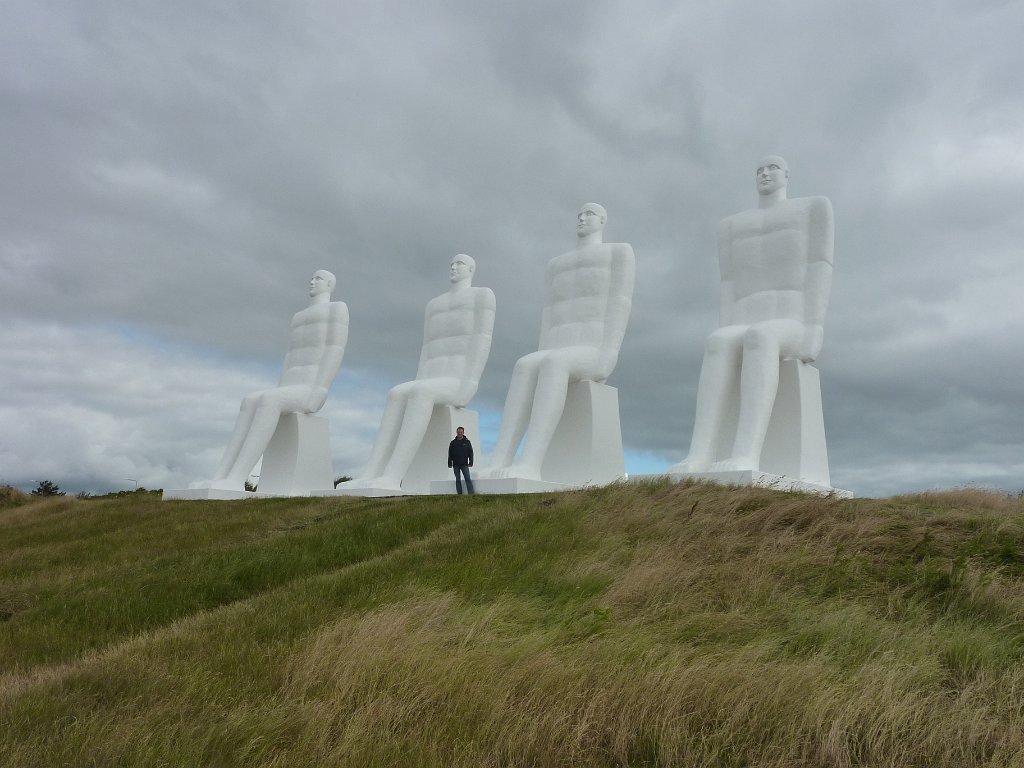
(720, 342)
(396, 394)
(524, 365)
(757, 339)
(250, 402)
(552, 367)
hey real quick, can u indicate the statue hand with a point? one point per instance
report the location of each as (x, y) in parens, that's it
(315, 401)
(465, 394)
(605, 366)
(811, 343)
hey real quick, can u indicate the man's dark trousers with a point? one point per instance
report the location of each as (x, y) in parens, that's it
(464, 469)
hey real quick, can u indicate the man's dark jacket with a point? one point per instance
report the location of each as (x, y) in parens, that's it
(460, 452)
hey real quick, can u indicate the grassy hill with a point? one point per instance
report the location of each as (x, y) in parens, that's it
(683, 625)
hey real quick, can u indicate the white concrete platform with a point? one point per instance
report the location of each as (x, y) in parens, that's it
(207, 494)
(760, 479)
(345, 489)
(500, 485)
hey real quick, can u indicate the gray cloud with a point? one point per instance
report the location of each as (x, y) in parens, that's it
(171, 176)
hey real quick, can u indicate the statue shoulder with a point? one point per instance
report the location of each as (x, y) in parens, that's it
(484, 297)
(819, 205)
(339, 311)
(622, 250)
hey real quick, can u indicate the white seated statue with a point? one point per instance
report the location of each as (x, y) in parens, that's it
(776, 270)
(315, 349)
(457, 330)
(588, 294)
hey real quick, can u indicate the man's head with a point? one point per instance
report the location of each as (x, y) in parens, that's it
(321, 282)
(460, 432)
(461, 268)
(772, 175)
(590, 219)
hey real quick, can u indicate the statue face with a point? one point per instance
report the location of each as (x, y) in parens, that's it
(460, 269)
(319, 284)
(772, 175)
(588, 221)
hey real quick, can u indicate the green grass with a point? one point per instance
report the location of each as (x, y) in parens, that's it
(644, 625)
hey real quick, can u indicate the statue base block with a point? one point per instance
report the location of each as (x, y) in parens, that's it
(586, 448)
(297, 460)
(762, 480)
(298, 457)
(794, 444)
(500, 485)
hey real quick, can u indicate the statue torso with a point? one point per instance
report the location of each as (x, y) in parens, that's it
(449, 331)
(311, 329)
(765, 256)
(577, 287)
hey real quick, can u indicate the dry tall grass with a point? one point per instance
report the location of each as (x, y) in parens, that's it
(665, 625)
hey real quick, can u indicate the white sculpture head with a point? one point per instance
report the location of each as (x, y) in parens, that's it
(322, 282)
(590, 220)
(461, 269)
(772, 175)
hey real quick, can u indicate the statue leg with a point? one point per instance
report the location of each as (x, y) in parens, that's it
(518, 403)
(717, 376)
(245, 416)
(548, 406)
(418, 410)
(387, 433)
(759, 383)
(261, 428)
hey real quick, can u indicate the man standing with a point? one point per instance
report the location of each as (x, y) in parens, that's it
(460, 458)
(776, 266)
(588, 294)
(315, 349)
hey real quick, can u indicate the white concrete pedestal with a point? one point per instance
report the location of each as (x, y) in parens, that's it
(297, 460)
(430, 463)
(794, 456)
(794, 444)
(587, 445)
(298, 457)
(586, 448)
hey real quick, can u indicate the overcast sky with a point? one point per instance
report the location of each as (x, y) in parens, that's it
(172, 173)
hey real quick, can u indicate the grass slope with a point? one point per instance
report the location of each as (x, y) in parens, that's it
(657, 624)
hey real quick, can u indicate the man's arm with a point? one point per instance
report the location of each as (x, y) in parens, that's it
(336, 338)
(620, 303)
(818, 279)
(469, 447)
(479, 349)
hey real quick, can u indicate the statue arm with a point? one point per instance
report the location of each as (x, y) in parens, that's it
(818, 279)
(727, 289)
(620, 303)
(421, 367)
(479, 350)
(330, 359)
